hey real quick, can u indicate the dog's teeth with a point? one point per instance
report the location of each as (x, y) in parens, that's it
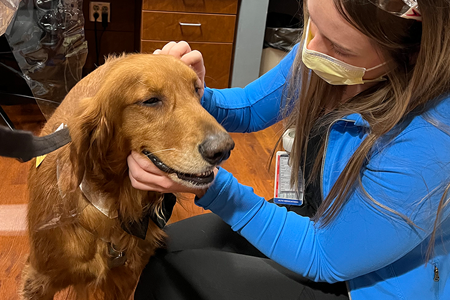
(204, 174)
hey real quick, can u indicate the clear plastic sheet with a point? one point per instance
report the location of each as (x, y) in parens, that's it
(69, 207)
(47, 40)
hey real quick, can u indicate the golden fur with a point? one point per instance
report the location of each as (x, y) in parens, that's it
(107, 119)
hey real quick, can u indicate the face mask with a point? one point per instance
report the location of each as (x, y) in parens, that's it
(332, 70)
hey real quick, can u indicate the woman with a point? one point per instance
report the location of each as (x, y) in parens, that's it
(372, 138)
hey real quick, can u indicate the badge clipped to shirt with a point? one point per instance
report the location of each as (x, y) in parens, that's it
(283, 192)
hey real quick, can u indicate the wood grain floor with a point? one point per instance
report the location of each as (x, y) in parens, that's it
(248, 163)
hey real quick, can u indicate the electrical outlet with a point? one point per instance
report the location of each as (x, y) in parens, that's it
(99, 7)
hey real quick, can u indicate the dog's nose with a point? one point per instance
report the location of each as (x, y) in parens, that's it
(216, 147)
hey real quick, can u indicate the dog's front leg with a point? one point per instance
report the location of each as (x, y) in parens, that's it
(35, 286)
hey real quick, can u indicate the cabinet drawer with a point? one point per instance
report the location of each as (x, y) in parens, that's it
(207, 6)
(190, 27)
(217, 59)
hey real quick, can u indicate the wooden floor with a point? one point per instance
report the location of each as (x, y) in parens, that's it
(248, 163)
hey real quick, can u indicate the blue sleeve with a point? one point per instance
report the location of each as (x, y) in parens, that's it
(254, 107)
(363, 238)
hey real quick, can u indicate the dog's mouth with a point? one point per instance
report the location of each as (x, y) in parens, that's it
(204, 178)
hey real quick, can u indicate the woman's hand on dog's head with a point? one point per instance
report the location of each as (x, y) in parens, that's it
(192, 58)
(144, 175)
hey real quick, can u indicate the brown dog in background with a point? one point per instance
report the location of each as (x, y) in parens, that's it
(141, 102)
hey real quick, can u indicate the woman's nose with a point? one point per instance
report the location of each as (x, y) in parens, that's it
(317, 44)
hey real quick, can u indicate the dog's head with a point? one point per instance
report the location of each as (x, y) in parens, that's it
(149, 104)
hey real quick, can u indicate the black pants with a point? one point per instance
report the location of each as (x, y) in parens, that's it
(206, 260)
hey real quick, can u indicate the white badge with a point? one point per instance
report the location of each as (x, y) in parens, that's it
(283, 192)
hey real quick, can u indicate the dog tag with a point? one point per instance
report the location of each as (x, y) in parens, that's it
(117, 262)
(117, 258)
(283, 192)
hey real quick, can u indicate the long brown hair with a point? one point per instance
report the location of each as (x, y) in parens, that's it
(418, 55)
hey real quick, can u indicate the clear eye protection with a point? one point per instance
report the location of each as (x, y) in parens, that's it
(407, 9)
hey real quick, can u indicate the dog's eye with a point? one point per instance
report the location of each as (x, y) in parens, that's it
(151, 101)
(197, 90)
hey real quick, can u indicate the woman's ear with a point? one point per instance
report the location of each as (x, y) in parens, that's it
(91, 137)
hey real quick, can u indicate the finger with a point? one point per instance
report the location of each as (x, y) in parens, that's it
(193, 58)
(157, 51)
(144, 187)
(152, 182)
(140, 161)
(136, 161)
(144, 171)
(141, 177)
(180, 49)
(167, 47)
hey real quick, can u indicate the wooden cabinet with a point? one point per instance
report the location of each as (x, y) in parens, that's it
(207, 25)
(206, 6)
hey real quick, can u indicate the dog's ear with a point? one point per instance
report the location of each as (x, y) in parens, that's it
(91, 138)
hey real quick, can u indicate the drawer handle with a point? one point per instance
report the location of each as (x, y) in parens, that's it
(190, 24)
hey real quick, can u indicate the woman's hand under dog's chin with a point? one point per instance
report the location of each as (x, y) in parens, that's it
(144, 175)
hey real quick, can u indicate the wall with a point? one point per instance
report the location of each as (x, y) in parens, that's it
(249, 41)
(250, 36)
(289, 7)
(120, 36)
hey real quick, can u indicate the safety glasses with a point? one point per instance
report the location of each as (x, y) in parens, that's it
(407, 9)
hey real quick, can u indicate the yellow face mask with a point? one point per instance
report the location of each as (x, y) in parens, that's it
(332, 70)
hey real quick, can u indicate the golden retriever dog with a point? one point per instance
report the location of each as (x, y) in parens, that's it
(81, 198)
